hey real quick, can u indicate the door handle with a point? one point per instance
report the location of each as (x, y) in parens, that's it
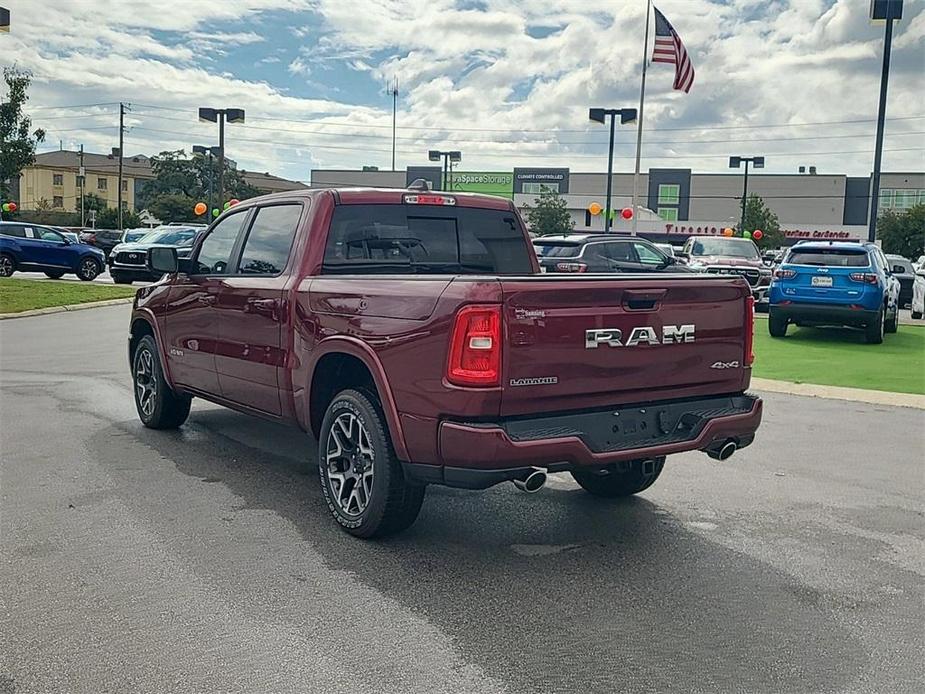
(263, 306)
(643, 300)
(206, 299)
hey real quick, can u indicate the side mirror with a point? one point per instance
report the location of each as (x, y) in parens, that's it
(898, 270)
(163, 259)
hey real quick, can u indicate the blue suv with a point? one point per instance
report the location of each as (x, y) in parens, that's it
(32, 247)
(834, 283)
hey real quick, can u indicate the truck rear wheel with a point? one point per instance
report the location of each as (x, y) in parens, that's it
(361, 477)
(622, 479)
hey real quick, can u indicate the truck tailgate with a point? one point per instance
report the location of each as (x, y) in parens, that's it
(596, 341)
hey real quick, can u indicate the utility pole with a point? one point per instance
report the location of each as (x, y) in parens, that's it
(121, 157)
(394, 92)
(82, 178)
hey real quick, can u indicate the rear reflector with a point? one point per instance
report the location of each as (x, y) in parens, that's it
(475, 347)
(417, 199)
(749, 330)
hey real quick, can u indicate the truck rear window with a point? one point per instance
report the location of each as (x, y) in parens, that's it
(389, 239)
(829, 257)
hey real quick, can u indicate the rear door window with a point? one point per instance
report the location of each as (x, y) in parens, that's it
(266, 250)
(829, 257)
(386, 239)
(648, 255)
(13, 230)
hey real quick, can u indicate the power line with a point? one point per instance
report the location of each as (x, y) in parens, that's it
(248, 126)
(53, 108)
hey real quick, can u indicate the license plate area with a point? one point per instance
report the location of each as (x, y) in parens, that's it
(822, 281)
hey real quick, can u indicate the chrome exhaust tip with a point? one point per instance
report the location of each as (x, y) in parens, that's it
(532, 482)
(723, 451)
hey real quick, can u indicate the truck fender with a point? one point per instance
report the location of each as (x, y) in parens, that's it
(146, 315)
(357, 348)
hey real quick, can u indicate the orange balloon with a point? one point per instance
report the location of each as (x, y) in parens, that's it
(595, 208)
(727, 232)
(200, 208)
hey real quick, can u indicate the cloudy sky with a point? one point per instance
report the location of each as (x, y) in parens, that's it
(506, 82)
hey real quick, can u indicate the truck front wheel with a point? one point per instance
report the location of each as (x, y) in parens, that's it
(622, 479)
(158, 406)
(361, 477)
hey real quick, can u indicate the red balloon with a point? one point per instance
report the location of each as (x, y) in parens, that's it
(627, 213)
(12, 207)
(757, 234)
(233, 202)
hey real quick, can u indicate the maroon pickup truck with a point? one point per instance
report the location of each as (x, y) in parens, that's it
(413, 334)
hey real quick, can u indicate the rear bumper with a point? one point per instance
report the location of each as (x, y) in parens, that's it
(478, 455)
(824, 314)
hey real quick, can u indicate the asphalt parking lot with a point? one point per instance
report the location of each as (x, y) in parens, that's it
(203, 560)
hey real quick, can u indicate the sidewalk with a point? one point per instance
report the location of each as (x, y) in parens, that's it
(874, 397)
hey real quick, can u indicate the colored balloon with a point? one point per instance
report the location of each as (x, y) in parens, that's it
(6, 207)
(226, 205)
(233, 202)
(200, 208)
(627, 213)
(595, 208)
(727, 232)
(746, 234)
(757, 234)
(216, 212)
(12, 207)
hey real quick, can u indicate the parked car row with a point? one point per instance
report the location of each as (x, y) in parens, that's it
(127, 260)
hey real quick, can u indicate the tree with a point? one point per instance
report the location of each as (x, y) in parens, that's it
(903, 233)
(192, 177)
(108, 218)
(758, 216)
(17, 145)
(92, 201)
(550, 216)
(174, 208)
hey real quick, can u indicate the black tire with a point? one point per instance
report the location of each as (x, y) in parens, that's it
(621, 479)
(88, 268)
(165, 409)
(119, 279)
(56, 275)
(892, 324)
(777, 326)
(391, 502)
(7, 265)
(917, 315)
(873, 332)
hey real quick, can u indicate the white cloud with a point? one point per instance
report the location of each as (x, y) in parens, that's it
(758, 62)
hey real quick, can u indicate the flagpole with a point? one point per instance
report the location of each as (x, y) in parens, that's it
(642, 99)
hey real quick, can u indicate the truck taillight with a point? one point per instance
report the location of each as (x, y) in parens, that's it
(867, 277)
(784, 274)
(749, 330)
(571, 267)
(475, 347)
(429, 199)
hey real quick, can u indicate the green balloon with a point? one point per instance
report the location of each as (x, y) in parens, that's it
(6, 207)
(216, 212)
(747, 234)
(227, 205)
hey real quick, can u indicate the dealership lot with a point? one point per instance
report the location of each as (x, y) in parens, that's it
(203, 559)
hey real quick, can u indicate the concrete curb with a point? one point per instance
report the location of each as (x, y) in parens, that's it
(62, 309)
(873, 397)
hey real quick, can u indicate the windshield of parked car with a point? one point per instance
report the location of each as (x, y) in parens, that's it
(829, 257)
(554, 249)
(382, 239)
(170, 237)
(902, 262)
(733, 248)
(132, 236)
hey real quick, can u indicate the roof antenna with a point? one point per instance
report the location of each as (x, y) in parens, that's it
(419, 184)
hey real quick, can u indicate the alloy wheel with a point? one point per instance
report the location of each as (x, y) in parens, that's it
(145, 382)
(89, 268)
(6, 266)
(349, 459)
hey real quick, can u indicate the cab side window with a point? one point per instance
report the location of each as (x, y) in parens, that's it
(269, 241)
(215, 252)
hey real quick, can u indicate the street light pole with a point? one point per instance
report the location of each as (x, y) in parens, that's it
(448, 157)
(627, 115)
(744, 197)
(219, 115)
(735, 163)
(889, 10)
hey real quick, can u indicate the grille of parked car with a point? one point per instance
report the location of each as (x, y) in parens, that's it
(749, 274)
(130, 258)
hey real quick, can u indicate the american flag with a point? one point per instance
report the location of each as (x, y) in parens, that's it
(670, 49)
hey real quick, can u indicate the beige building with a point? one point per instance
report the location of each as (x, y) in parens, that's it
(53, 181)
